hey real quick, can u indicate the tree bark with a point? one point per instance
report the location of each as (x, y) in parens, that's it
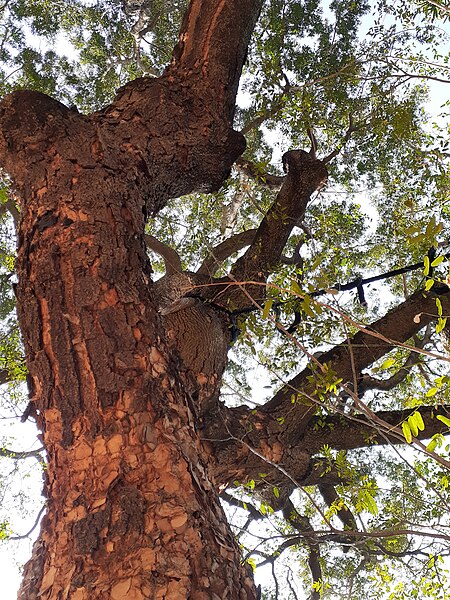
(132, 511)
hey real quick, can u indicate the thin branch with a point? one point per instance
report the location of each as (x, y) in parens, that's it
(296, 258)
(368, 382)
(348, 134)
(279, 103)
(303, 525)
(266, 114)
(247, 506)
(12, 208)
(5, 376)
(273, 182)
(289, 575)
(8, 453)
(36, 523)
(313, 140)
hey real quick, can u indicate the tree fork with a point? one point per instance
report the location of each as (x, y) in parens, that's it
(131, 509)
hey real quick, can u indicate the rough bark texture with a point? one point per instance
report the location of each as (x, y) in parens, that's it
(132, 512)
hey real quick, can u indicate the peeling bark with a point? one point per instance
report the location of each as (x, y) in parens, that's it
(132, 510)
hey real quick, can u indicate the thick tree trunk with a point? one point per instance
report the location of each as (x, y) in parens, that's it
(132, 511)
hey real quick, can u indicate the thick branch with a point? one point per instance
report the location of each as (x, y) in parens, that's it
(213, 46)
(221, 252)
(305, 175)
(330, 496)
(343, 433)
(172, 135)
(172, 261)
(348, 359)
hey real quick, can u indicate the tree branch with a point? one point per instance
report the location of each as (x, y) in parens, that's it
(372, 383)
(352, 356)
(35, 524)
(172, 260)
(273, 182)
(6, 452)
(5, 376)
(213, 46)
(302, 524)
(348, 134)
(330, 496)
(222, 251)
(346, 433)
(304, 176)
(439, 5)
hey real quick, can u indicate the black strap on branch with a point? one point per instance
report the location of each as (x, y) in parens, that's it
(357, 284)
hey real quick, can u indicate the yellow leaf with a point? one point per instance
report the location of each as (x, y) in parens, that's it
(407, 432)
(444, 420)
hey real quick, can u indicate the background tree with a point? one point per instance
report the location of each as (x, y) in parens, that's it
(343, 184)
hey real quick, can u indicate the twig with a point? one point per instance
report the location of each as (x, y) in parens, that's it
(36, 523)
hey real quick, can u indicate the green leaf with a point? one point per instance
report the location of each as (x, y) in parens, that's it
(267, 307)
(407, 432)
(388, 363)
(276, 492)
(413, 427)
(371, 504)
(431, 392)
(418, 420)
(252, 562)
(442, 322)
(295, 288)
(429, 284)
(444, 420)
(431, 227)
(426, 266)
(432, 446)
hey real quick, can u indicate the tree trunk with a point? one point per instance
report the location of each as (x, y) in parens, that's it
(132, 510)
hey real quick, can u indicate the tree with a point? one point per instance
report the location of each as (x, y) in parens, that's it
(125, 369)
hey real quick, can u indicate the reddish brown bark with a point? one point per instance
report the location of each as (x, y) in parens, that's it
(130, 509)
(132, 512)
